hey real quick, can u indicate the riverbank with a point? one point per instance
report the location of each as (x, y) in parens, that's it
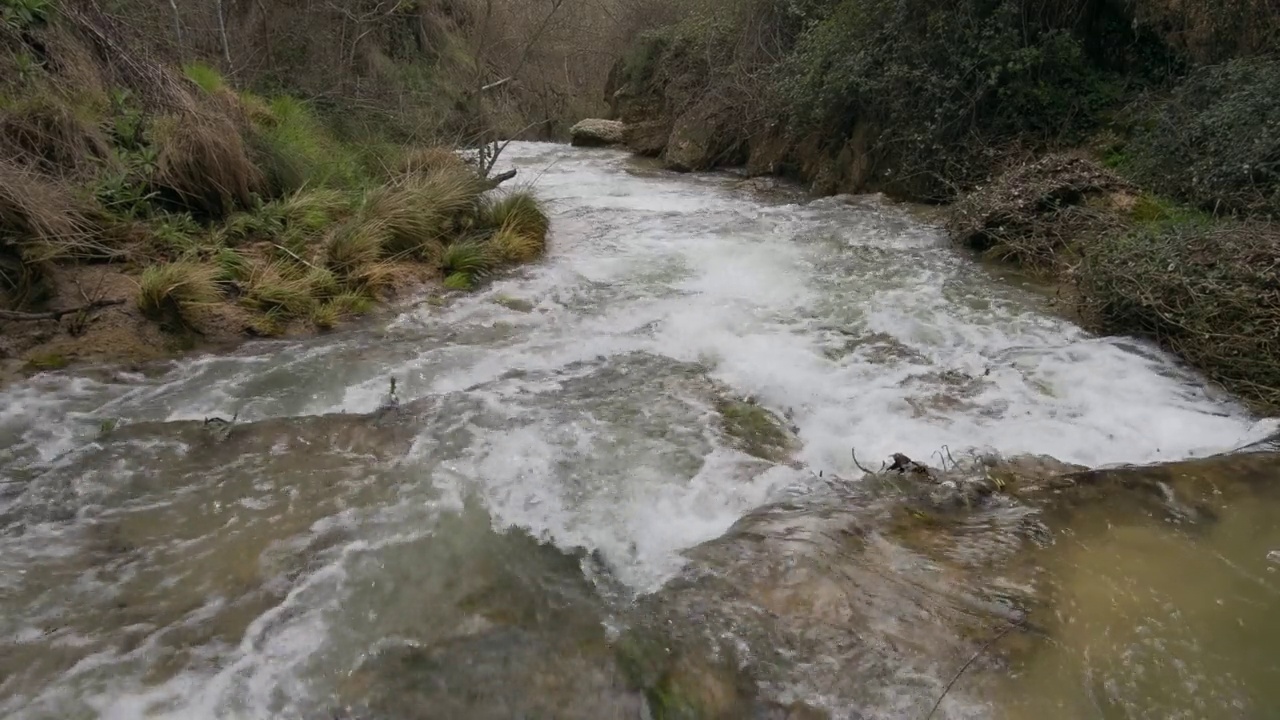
(148, 209)
(1122, 151)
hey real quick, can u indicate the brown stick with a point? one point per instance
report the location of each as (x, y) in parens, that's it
(497, 180)
(964, 667)
(56, 314)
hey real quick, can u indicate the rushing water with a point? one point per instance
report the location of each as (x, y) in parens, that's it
(559, 455)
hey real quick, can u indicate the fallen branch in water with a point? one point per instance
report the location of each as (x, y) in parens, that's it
(858, 464)
(964, 667)
(57, 314)
(497, 180)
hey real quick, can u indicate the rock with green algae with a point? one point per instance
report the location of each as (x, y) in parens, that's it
(514, 303)
(41, 363)
(756, 431)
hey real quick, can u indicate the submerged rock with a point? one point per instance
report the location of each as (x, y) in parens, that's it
(870, 595)
(597, 133)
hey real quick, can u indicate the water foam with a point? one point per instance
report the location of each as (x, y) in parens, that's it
(856, 321)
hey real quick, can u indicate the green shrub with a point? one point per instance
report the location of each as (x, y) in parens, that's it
(1216, 142)
(941, 82)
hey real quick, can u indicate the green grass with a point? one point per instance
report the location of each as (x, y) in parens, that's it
(469, 257)
(459, 281)
(312, 210)
(175, 235)
(48, 361)
(757, 431)
(511, 247)
(1154, 210)
(329, 313)
(206, 77)
(297, 151)
(232, 265)
(520, 211)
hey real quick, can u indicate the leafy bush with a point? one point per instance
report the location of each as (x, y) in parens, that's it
(941, 81)
(1216, 142)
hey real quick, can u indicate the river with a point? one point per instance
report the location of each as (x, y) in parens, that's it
(558, 451)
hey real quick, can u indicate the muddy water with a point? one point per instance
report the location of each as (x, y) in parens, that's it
(559, 448)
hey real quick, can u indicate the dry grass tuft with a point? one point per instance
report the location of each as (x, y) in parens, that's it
(280, 287)
(355, 245)
(520, 210)
(511, 246)
(427, 160)
(204, 164)
(40, 221)
(173, 288)
(422, 210)
(1209, 291)
(45, 132)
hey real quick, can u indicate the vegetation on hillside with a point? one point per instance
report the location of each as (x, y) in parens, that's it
(230, 212)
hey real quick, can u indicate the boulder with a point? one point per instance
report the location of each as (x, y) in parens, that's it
(648, 138)
(595, 132)
(703, 138)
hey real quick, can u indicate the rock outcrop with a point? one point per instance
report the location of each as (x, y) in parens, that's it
(595, 132)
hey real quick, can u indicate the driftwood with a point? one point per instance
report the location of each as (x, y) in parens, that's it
(57, 314)
(497, 180)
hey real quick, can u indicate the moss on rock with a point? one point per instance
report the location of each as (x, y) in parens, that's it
(756, 431)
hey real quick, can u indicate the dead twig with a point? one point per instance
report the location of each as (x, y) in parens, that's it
(500, 178)
(858, 464)
(1009, 628)
(17, 316)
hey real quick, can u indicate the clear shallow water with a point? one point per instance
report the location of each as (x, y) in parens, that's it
(152, 574)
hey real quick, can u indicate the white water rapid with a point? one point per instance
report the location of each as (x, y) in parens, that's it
(138, 580)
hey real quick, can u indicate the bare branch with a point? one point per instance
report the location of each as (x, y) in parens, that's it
(16, 316)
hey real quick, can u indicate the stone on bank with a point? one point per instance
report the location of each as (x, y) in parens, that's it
(595, 132)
